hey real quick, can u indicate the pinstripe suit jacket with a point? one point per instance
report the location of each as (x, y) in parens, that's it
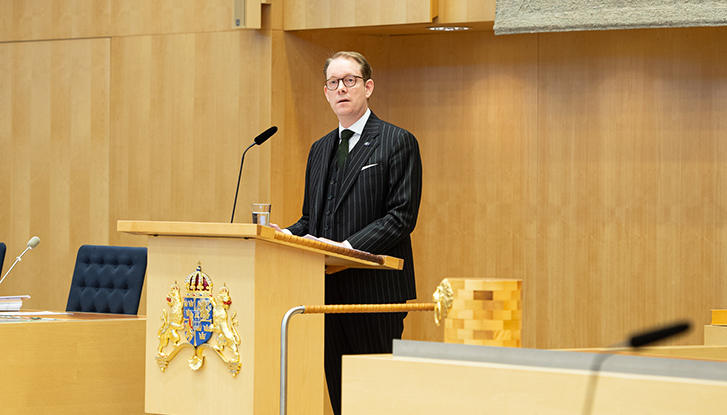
(376, 209)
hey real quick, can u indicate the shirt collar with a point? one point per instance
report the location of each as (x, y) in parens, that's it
(358, 126)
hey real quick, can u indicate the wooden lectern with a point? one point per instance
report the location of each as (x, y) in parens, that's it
(266, 273)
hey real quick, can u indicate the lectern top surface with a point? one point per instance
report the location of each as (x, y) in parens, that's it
(337, 258)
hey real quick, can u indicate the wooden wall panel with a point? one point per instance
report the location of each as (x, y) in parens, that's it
(632, 169)
(472, 118)
(185, 107)
(461, 11)
(321, 14)
(54, 135)
(66, 19)
(155, 130)
(591, 165)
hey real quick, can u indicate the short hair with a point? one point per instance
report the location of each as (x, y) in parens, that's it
(366, 70)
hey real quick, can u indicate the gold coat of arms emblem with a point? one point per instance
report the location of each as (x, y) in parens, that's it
(202, 319)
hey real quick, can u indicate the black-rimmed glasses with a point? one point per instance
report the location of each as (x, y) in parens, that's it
(349, 81)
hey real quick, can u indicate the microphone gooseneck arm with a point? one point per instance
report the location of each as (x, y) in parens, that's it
(261, 138)
(32, 243)
(239, 176)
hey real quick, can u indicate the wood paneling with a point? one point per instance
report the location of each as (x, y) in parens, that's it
(462, 11)
(185, 107)
(632, 173)
(474, 119)
(154, 130)
(41, 19)
(321, 14)
(54, 133)
(590, 165)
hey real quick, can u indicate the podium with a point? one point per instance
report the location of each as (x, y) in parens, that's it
(265, 273)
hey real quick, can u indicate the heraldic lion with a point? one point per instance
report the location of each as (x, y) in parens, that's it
(172, 322)
(228, 333)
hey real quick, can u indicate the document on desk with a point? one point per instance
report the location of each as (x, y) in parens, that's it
(12, 302)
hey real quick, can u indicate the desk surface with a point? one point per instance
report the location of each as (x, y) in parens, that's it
(66, 315)
(44, 316)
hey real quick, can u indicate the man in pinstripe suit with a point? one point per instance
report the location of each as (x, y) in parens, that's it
(366, 200)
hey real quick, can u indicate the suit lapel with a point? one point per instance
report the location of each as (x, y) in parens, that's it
(359, 156)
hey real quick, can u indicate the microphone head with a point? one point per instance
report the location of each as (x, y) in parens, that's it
(265, 135)
(649, 337)
(33, 242)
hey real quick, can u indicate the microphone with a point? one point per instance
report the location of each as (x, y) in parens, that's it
(32, 243)
(261, 138)
(652, 336)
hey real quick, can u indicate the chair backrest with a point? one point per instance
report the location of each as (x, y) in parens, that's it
(2, 256)
(107, 279)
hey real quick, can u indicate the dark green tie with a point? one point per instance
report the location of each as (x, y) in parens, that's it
(343, 147)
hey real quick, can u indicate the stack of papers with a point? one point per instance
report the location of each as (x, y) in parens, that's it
(12, 302)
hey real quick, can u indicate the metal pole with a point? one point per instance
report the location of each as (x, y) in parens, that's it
(284, 357)
(443, 302)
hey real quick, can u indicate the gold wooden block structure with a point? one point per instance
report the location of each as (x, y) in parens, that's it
(486, 312)
(719, 317)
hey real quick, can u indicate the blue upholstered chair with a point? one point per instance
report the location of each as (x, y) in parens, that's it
(2, 256)
(107, 279)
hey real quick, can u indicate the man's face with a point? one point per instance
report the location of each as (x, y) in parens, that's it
(349, 103)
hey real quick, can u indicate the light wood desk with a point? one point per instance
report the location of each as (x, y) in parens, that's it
(82, 363)
(439, 378)
(715, 335)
